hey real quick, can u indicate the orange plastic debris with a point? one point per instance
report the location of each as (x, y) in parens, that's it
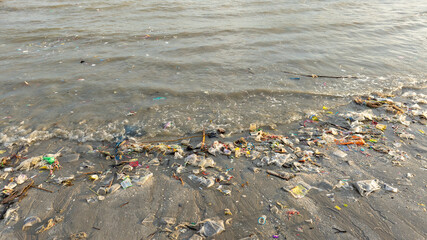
(354, 140)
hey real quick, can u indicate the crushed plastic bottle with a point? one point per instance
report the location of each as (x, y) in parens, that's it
(206, 182)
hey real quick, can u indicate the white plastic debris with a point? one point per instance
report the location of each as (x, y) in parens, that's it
(390, 188)
(343, 184)
(366, 187)
(21, 178)
(340, 154)
(206, 182)
(211, 228)
(407, 136)
(142, 177)
(60, 180)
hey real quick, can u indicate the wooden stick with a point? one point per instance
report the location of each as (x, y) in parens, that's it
(124, 204)
(19, 192)
(203, 140)
(42, 189)
(112, 180)
(93, 191)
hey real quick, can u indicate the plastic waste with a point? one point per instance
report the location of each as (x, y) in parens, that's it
(114, 188)
(211, 228)
(381, 127)
(262, 220)
(30, 221)
(340, 153)
(343, 184)
(60, 180)
(407, 136)
(50, 223)
(299, 191)
(191, 160)
(11, 215)
(49, 160)
(9, 188)
(78, 236)
(215, 148)
(221, 189)
(366, 187)
(126, 183)
(142, 177)
(281, 174)
(206, 162)
(102, 191)
(280, 159)
(389, 188)
(206, 182)
(94, 177)
(402, 120)
(354, 140)
(168, 220)
(21, 178)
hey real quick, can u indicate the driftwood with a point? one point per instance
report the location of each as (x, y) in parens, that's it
(19, 192)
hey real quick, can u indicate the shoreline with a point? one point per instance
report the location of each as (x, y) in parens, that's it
(184, 189)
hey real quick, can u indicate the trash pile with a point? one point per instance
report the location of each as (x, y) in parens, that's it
(319, 138)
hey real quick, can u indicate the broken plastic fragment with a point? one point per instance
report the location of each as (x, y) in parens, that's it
(211, 228)
(126, 183)
(206, 182)
(366, 187)
(390, 188)
(299, 191)
(30, 221)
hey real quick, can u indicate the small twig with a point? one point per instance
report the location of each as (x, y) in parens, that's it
(152, 235)
(93, 191)
(41, 189)
(112, 180)
(124, 204)
(96, 228)
(338, 230)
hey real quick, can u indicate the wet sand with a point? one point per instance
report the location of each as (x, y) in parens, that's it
(165, 207)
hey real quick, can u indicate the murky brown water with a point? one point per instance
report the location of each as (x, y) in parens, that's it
(76, 69)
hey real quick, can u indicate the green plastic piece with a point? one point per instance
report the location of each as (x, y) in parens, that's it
(49, 160)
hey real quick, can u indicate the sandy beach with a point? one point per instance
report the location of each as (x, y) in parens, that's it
(296, 181)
